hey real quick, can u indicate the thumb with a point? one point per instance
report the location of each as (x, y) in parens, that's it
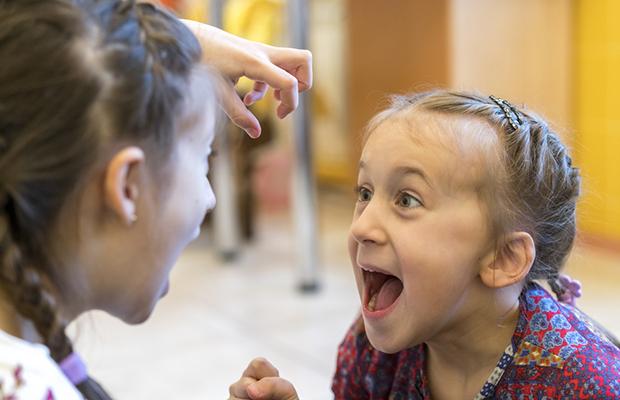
(272, 388)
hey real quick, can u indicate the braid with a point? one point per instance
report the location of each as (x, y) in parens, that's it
(30, 295)
(32, 299)
(545, 191)
(147, 32)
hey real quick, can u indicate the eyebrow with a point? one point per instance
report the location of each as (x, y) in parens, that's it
(407, 170)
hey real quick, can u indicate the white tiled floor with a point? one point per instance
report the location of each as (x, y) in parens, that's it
(217, 317)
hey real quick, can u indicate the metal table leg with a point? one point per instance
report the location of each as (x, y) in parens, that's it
(225, 216)
(304, 195)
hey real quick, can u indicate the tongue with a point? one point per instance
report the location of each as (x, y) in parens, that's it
(388, 293)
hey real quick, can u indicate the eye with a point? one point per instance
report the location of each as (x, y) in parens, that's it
(363, 194)
(407, 200)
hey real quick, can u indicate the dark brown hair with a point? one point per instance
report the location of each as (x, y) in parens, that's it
(75, 75)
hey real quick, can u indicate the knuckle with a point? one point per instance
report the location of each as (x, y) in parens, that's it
(256, 61)
(239, 119)
(290, 83)
(259, 362)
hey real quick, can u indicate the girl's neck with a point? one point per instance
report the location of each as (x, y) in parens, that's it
(467, 354)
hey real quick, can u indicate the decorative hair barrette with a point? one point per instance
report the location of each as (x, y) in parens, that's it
(510, 112)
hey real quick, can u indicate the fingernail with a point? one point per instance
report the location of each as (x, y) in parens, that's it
(253, 132)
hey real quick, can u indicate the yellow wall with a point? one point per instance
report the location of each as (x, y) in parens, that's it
(520, 50)
(597, 116)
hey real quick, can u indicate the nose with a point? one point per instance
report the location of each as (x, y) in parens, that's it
(368, 226)
(211, 200)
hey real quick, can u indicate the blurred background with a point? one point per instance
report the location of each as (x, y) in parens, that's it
(270, 276)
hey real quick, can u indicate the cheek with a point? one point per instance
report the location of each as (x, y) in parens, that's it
(437, 277)
(430, 264)
(352, 246)
(432, 257)
(193, 199)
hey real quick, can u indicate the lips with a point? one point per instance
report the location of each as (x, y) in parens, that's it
(381, 289)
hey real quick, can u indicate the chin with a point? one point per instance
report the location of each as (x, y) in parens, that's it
(139, 314)
(388, 348)
(138, 317)
(390, 342)
(144, 311)
(384, 342)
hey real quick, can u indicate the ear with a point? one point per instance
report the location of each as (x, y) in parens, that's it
(121, 185)
(510, 262)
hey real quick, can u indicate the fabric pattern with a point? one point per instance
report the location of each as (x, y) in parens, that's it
(27, 372)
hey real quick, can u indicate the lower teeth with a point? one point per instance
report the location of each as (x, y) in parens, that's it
(372, 302)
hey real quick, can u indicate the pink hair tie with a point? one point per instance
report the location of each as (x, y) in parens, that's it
(572, 290)
(74, 368)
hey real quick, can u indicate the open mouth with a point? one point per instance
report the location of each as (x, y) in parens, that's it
(381, 290)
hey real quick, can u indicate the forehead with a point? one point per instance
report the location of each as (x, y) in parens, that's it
(199, 114)
(455, 151)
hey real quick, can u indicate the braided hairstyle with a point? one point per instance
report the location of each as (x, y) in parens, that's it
(534, 186)
(75, 75)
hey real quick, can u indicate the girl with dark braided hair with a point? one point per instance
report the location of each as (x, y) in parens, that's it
(465, 205)
(107, 114)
